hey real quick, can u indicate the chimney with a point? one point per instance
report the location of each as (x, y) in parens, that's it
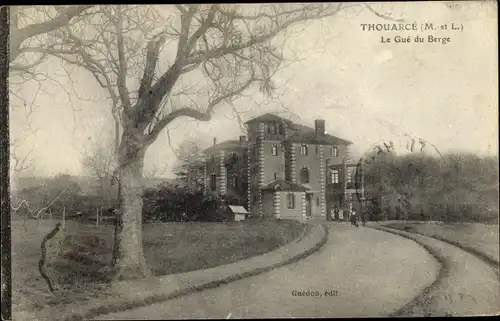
(243, 139)
(319, 126)
(215, 141)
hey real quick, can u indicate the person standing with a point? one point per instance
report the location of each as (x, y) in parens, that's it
(354, 218)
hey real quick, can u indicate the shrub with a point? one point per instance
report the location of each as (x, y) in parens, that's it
(170, 204)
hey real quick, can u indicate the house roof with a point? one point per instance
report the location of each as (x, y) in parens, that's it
(228, 144)
(307, 135)
(238, 209)
(282, 185)
(269, 117)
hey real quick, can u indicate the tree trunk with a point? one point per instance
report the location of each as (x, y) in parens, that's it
(130, 262)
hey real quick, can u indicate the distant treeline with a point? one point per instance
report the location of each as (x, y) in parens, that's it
(455, 187)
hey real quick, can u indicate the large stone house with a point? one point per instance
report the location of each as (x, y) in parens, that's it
(283, 170)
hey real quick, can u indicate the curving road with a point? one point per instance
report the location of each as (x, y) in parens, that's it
(359, 272)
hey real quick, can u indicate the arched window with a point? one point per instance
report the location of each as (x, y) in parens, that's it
(275, 150)
(335, 176)
(304, 175)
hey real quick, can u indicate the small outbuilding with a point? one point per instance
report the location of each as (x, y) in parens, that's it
(239, 212)
(284, 199)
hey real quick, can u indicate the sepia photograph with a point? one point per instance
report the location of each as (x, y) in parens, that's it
(252, 160)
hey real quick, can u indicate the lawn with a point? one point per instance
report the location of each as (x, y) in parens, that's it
(480, 237)
(77, 255)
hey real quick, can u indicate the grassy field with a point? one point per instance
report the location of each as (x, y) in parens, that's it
(77, 255)
(480, 237)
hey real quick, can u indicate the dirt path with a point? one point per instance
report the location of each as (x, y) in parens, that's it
(359, 272)
(468, 285)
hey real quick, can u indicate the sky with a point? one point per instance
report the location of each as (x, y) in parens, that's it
(366, 90)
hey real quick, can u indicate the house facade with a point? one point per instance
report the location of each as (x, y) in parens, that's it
(283, 170)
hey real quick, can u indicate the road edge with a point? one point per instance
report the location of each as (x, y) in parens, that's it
(483, 256)
(424, 295)
(157, 298)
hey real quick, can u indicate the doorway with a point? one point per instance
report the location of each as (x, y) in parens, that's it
(308, 205)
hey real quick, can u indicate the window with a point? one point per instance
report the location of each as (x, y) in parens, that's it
(275, 175)
(335, 151)
(304, 175)
(303, 150)
(317, 149)
(275, 150)
(213, 182)
(290, 198)
(281, 129)
(335, 176)
(272, 128)
(235, 181)
(275, 129)
(317, 201)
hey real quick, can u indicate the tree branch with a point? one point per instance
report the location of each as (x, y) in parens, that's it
(201, 30)
(380, 15)
(122, 70)
(153, 50)
(224, 50)
(32, 30)
(196, 114)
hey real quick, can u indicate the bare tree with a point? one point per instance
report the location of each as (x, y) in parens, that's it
(159, 64)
